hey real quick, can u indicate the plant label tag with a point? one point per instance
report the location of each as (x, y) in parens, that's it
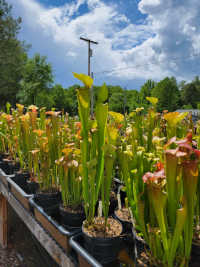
(132, 220)
(119, 202)
(100, 209)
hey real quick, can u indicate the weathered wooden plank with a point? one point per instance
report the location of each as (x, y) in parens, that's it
(3, 221)
(38, 231)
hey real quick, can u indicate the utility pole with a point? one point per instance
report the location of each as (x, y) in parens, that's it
(90, 74)
(92, 97)
(125, 100)
(89, 51)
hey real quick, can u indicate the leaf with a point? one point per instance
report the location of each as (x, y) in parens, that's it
(101, 116)
(174, 117)
(113, 134)
(8, 105)
(118, 117)
(180, 222)
(92, 124)
(84, 97)
(103, 93)
(85, 79)
(152, 100)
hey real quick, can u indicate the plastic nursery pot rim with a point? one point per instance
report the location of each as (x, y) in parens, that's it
(17, 187)
(103, 238)
(82, 251)
(52, 221)
(120, 219)
(2, 173)
(71, 219)
(138, 238)
(118, 181)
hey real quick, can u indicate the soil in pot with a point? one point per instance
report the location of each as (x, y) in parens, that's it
(123, 215)
(143, 255)
(72, 217)
(103, 245)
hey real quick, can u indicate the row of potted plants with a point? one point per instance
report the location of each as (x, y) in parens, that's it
(70, 165)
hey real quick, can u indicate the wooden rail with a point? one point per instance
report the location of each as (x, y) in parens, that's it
(36, 229)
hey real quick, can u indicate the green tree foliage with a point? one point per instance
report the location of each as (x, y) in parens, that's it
(71, 100)
(12, 54)
(45, 100)
(132, 98)
(190, 93)
(146, 90)
(37, 80)
(116, 98)
(167, 93)
(59, 96)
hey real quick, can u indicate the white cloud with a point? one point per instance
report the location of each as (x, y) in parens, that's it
(175, 24)
(101, 23)
(164, 44)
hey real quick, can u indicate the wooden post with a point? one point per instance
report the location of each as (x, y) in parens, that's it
(3, 221)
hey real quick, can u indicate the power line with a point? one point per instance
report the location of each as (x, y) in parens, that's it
(142, 65)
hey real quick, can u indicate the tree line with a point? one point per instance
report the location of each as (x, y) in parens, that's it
(30, 80)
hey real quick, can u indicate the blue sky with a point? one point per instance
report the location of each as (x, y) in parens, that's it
(138, 39)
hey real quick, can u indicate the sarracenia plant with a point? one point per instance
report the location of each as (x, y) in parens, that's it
(135, 158)
(92, 143)
(110, 155)
(69, 176)
(173, 120)
(171, 193)
(48, 148)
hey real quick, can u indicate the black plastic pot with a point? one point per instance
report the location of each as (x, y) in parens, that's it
(118, 185)
(53, 225)
(118, 182)
(20, 193)
(195, 255)
(71, 220)
(112, 206)
(9, 166)
(32, 187)
(3, 155)
(13, 167)
(128, 239)
(127, 226)
(21, 179)
(140, 245)
(84, 258)
(4, 177)
(4, 166)
(105, 250)
(48, 201)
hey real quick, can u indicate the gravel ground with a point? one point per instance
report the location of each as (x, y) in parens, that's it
(23, 249)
